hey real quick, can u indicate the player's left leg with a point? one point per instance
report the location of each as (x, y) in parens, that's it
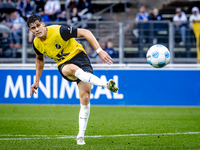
(84, 94)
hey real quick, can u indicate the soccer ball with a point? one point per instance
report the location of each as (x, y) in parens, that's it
(158, 56)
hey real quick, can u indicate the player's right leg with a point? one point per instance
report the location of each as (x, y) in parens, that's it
(73, 72)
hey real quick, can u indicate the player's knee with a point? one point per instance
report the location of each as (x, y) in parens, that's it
(69, 69)
(85, 98)
(73, 69)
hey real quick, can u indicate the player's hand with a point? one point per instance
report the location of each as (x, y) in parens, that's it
(105, 57)
(34, 88)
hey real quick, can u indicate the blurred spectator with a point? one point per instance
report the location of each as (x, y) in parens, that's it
(110, 50)
(195, 15)
(180, 20)
(8, 21)
(11, 2)
(142, 30)
(19, 6)
(142, 16)
(80, 2)
(155, 15)
(15, 39)
(91, 52)
(68, 1)
(29, 8)
(102, 43)
(44, 17)
(4, 26)
(39, 3)
(61, 16)
(5, 50)
(69, 5)
(51, 8)
(74, 16)
(86, 10)
(156, 26)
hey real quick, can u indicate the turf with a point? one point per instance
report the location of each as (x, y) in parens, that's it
(22, 127)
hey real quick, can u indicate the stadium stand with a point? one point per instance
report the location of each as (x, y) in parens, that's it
(114, 11)
(168, 10)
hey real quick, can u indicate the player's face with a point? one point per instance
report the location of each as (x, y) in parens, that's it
(38, 29)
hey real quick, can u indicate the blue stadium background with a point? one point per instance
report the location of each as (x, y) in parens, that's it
(136, 87)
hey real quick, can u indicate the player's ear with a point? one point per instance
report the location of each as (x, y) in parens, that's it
(43, 24)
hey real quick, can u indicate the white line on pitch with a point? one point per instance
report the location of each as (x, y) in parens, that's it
(28, 137)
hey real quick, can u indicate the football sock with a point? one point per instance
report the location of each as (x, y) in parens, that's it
(83, 119)
(89, 78)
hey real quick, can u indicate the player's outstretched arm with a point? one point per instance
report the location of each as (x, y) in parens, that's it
(39, 68)
(90, 38)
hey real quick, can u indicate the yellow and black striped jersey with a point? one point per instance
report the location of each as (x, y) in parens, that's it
(59, 44)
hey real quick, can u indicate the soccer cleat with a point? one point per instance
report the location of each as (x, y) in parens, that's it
(111, 86)
(80, 141)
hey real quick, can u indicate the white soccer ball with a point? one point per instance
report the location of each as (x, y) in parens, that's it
(158, 56)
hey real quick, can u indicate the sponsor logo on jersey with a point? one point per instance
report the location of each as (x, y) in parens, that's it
(57, 46)
(70, 29)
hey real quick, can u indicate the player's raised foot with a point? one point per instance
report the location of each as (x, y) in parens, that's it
(111, 86)
(80, 141)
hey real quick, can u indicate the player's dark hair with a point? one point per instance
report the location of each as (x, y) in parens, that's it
(33, 18)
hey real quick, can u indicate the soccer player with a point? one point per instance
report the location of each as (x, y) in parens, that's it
(58, 43)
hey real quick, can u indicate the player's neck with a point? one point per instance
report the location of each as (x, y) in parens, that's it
(43, 38)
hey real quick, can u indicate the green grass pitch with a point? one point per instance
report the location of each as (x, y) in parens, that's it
(55, 127)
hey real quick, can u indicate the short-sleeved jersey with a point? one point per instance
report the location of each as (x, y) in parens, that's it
(59, 45)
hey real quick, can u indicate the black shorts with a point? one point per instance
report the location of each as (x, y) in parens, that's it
(82, 61)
